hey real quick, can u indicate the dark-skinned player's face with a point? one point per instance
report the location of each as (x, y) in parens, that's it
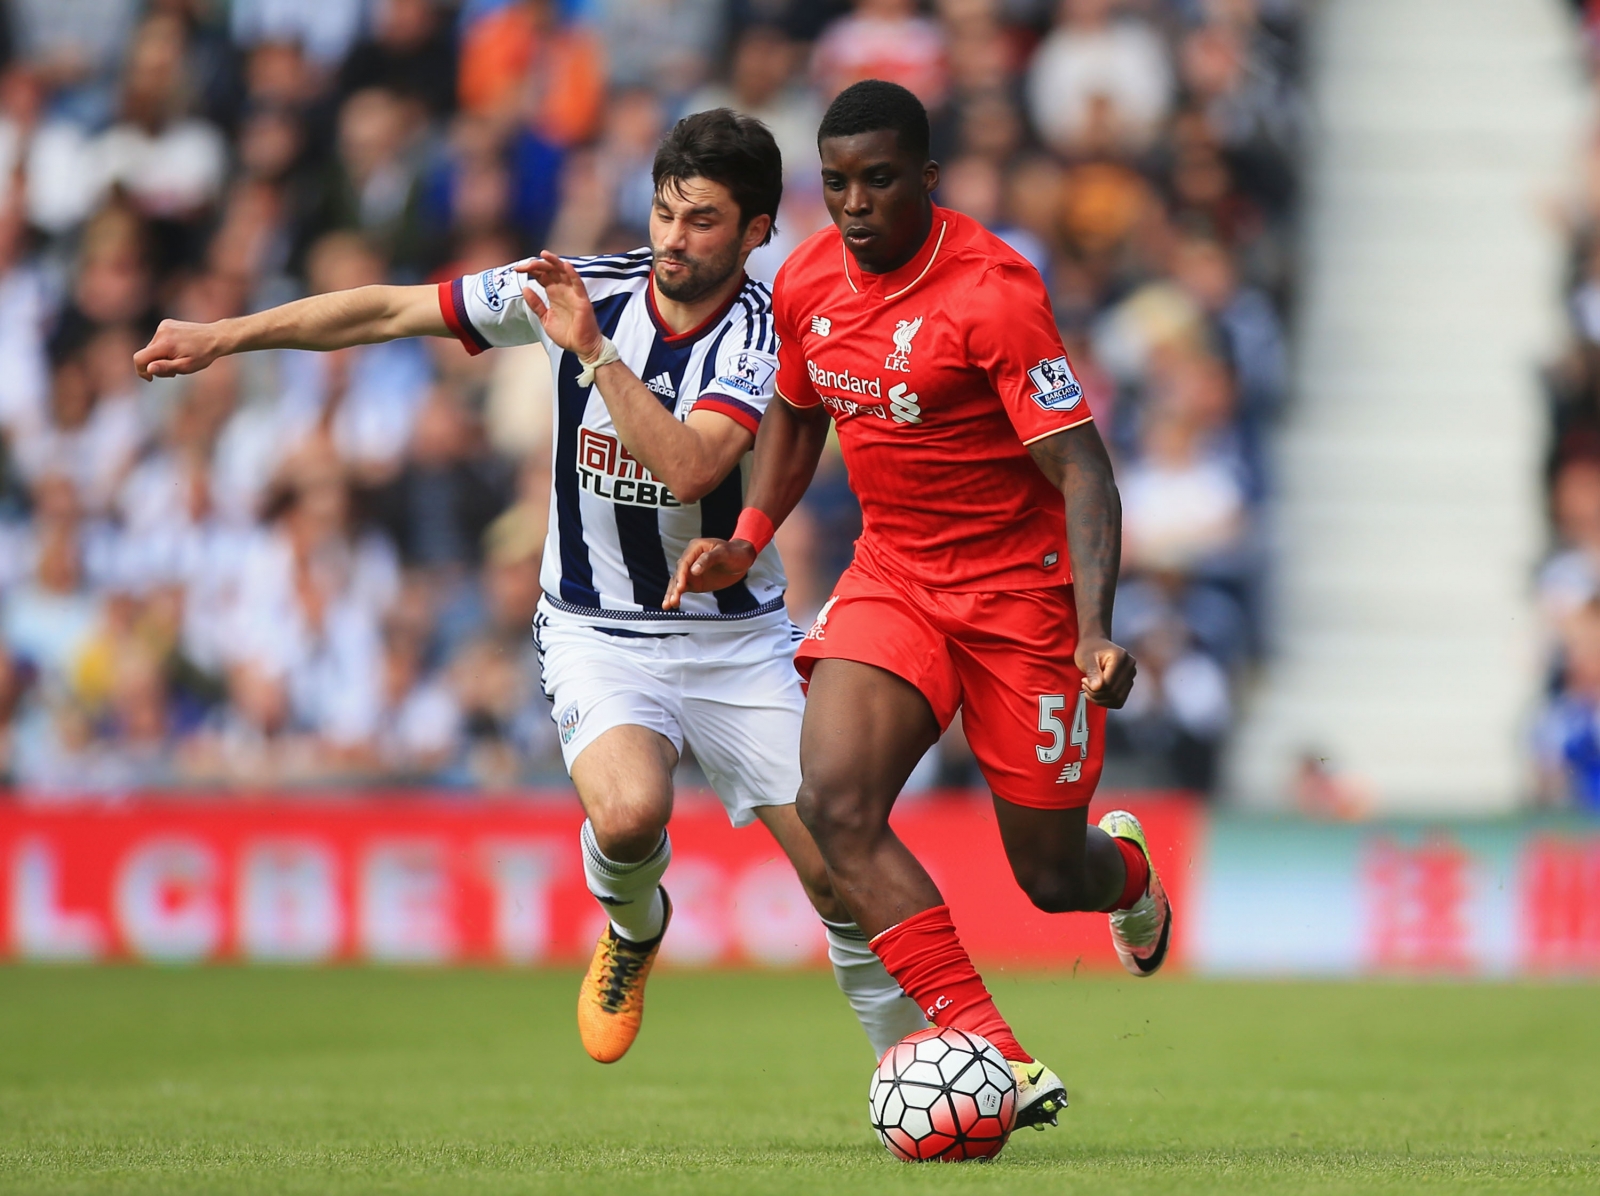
(877, 193)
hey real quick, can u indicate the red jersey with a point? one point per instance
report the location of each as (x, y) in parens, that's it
(937, 375)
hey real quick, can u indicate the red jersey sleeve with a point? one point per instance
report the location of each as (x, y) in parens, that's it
(794, 384)
(1013, 339)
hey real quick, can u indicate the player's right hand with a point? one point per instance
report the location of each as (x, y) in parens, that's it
(709, 565)
(178, 347)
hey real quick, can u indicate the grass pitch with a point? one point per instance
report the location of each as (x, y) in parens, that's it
(238, 1080)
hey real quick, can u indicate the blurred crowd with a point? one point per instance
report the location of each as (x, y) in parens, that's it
(303, 569)
(1567, 732)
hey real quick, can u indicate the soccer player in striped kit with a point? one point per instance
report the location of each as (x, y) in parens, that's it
(664, 361)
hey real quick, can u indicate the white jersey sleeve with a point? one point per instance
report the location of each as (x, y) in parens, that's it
(487, 310)
(744, 364)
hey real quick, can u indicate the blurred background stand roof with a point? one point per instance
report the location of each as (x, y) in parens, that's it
(1405, 667)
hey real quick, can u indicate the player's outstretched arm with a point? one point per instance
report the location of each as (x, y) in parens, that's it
(1076, 463)
(788, 448)
(691, 456)
(337, 320)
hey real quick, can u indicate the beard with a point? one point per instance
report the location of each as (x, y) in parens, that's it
(705, 274)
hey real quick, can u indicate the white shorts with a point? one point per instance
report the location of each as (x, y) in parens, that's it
(732, 695)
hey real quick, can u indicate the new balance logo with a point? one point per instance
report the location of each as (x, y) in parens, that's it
(821, 325)
(661, 384)
(1071, 773)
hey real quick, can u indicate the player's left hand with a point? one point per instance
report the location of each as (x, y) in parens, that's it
(1108, 671)
(565, 312)
(709, 564)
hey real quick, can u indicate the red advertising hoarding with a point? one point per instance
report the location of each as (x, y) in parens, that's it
(435, 881)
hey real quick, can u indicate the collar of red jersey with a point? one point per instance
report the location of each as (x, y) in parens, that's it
(898, 282)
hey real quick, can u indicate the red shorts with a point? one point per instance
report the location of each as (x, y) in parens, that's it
(1004, 659)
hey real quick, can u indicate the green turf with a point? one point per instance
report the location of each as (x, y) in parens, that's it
(244, 1080)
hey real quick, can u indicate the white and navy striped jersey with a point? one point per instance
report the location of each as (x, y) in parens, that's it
(615, 531)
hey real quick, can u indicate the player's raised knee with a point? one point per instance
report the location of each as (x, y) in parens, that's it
(627, 831)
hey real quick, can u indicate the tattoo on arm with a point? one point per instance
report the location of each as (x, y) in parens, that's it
(1076, 463)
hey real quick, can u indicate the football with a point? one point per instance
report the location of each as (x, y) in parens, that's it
(943, 1095)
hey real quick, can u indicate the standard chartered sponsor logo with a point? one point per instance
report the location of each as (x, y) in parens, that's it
(904, 406)
(843, 380)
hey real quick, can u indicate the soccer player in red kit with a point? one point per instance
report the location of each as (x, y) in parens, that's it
(983, 578)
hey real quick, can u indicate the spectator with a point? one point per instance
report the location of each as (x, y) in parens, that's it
(311, 599)
(1244, 323)
(1570, 579)
(48, 621)
(763, 83)
(1175, 725)
(73, 46)
(1180, 505)
(168, 163)
(666, 45)
(365, 398)
(975, 185)
(372, 187)
(24, 367)
(1099, 73)
(325, 28)
(410, 52)
(94, 430)
(623, 159)
(419, 725)
(448, 492)
(521, 65)
(1567, 737)
(882, 39)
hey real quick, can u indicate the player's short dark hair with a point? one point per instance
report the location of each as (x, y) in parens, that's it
(875, 104)
(722, 146)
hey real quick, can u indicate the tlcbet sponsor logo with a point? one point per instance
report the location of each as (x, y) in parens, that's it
(607, 470)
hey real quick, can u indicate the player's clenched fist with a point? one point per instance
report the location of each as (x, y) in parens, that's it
(709, 564)
(178, 347)
(1108, 671)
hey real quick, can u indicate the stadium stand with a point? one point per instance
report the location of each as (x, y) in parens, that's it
(297, 570)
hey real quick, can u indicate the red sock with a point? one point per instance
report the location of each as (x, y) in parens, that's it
(1138, 874)
(925, 956)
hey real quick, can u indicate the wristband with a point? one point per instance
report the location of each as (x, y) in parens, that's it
(755, 527)
(608, 353)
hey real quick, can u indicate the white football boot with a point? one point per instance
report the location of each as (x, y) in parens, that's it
(1040, 1094)
(1141, 933)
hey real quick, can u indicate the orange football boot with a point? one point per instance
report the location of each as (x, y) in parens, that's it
(611, 1001)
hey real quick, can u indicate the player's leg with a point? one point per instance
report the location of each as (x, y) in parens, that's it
(624, 781)
(1041, 746)
(742, 711)
(1059, 861)
(865, 729)
(1064, 865)
(885, 1012)
(883, 686)
(620, 740)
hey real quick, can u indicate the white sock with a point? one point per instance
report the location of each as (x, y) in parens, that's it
(631, 893)
(885, 1013)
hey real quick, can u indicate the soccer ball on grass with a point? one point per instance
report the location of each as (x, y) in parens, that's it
(943, 1094)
